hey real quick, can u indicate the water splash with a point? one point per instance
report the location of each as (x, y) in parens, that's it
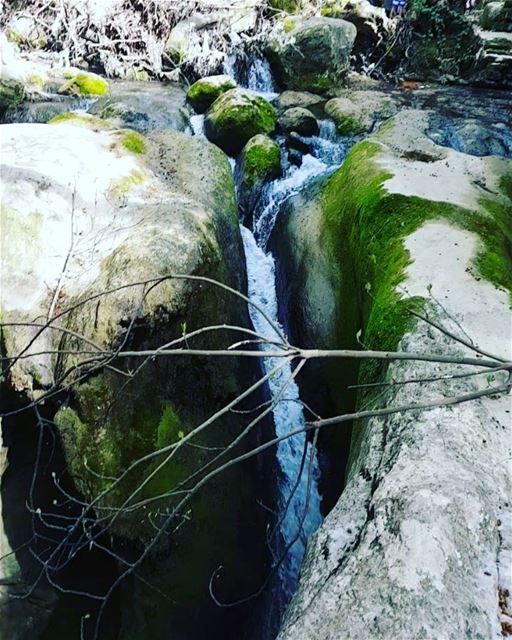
(197, 125)
(257, 77)
(327, 152)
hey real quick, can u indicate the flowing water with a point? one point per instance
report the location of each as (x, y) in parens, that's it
(298, 495)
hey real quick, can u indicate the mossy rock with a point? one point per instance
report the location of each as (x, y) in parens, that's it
(260, 161)
(11, 94)
(286, 6)
(348, 120)
(84, 84)
(300, 120)
(313, 55)
(80, 120)
(203, 93)
(359, 112)
(345, 239)
(237, 116)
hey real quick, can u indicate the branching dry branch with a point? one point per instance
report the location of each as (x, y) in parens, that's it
(67, 535)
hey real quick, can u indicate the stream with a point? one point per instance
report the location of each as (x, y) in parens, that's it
(299, 499)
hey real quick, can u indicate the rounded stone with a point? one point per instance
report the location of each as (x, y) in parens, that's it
(203, 93)
(237, 116)
(300, 120)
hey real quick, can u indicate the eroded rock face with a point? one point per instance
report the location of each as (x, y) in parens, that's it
(312, 54)
(426, 504)
(144, 106)
(94, 209)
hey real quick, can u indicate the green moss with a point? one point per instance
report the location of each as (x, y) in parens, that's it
(126, 184)
(365, 228)
(334, 9)
(493, 225)
(203, 93)
(133, 141)
(85, 84)
(169, 428)
(36, 80)
(261, 159)
(348, 125)
(236, 117)
(11, 94)
(288, 6)
(288, 25)
(323, 84)
(20, 239)
(80, 119)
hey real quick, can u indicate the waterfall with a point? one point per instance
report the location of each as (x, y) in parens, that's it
(256, 77)
(327, 152)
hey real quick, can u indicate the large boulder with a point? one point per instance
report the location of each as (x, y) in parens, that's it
(86, 209)
(311, 54)
(259, 162)
(300, 120)
(358, 111)
(235, 117)
(368, 19)
(145, 106)
(304, 99)
(203, 93)
(399, 556)
(494, 66)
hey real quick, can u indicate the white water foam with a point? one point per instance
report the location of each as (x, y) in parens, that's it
(303, 515)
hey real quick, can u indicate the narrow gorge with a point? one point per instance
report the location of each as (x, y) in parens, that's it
(256, 329)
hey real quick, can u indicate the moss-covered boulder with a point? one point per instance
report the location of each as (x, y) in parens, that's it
(235, 117)
(117, 208)
(11, 94)
(203, 93)
(358, 111)
(402, 225)
(300, 120)
(259, 162)
(84, 83)
(311, 54)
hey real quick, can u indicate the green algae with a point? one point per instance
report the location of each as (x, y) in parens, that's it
(80, 119)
